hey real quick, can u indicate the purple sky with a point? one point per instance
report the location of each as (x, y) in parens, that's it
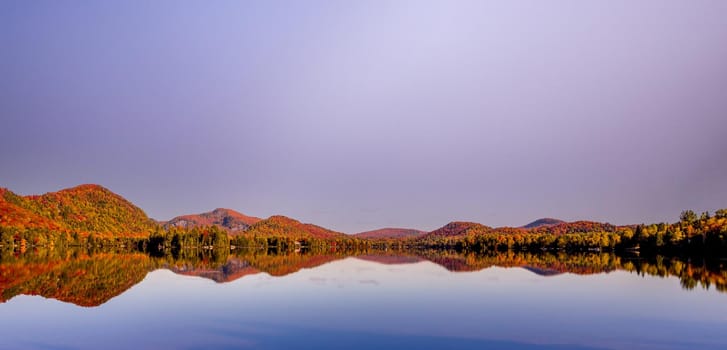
(359, 115)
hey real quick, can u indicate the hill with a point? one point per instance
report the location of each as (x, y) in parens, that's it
(574, 227)
(14, 213)
(82, 209)
(390, 233)
(458, 228)
(231, 221)
(282, 226)
(544, 222)
(541, 226)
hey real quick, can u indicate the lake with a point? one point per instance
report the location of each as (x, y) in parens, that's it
(386, 300)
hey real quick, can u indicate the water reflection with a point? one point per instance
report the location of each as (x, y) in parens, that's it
(91, 278)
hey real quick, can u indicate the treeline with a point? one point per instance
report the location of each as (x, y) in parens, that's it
(213, 237)
(176, 238)
(704, 234)
(23, 239)
(692, 235)
(206, 237)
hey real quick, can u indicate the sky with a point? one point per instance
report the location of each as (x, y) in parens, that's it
(368, 114)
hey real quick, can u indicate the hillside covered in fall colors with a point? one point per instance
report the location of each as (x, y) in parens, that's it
(544, 222)
(227, 219)
(91, 215)
(287, 227)
(224, 245)
(390, 233)
(81, 210)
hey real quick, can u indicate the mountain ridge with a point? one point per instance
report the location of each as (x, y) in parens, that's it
(279, 225)
(459, 228)
(230, 220)
(92, 208)
(543, 222)
(390, 232)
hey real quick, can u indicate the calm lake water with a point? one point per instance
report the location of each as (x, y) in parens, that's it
(130, 300)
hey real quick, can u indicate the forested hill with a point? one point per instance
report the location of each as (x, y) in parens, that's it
(390, 233)
(231, 221)
(282, 226)
(458, 228)
(544, 222)
(84, 209)
(462, 229)
(92, 215)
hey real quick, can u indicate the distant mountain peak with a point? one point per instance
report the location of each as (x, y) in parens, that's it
(283, 218)
(456, 228)
(224, 211)
(544, 222)
(228, 219)
(390, 232)
(93, 187)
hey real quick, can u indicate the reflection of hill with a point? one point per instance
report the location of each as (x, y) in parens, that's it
(391, 259)
(693, 273)
(92, 279)
(230, 271)
(86, 280)
(542, 272)
(285, 264)
(544, 263)
(246, 263)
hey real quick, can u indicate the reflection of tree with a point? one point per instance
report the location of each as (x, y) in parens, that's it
(82, 279)
(583, 263)
(688, 283)
(286, 263)
(90, 278)
(207, 263)
(702, 272)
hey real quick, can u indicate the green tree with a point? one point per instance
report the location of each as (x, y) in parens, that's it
(688, 217)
